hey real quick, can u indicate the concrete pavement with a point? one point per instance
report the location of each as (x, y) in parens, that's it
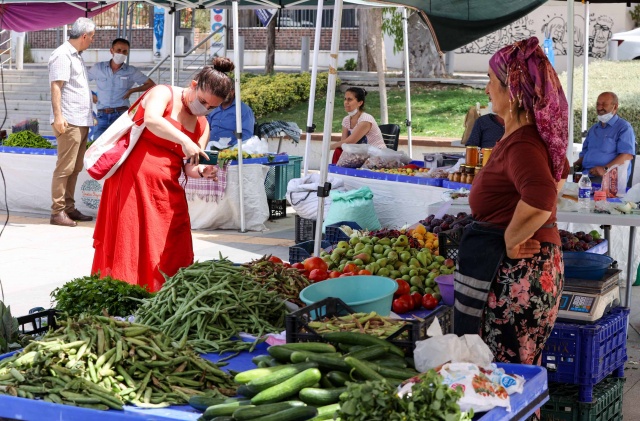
(36, 257)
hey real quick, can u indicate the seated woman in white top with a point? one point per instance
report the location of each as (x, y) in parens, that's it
(357, 126)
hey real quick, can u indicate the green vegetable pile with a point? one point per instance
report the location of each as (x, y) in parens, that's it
(27, 139)
(91, 295)
(377, 400)
(207, 304)
(8, 329)
(100, 363)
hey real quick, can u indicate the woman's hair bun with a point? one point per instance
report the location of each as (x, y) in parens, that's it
(223, 64)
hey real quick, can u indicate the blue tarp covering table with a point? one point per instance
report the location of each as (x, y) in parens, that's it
(535, 394)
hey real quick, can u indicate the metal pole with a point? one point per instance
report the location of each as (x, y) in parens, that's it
(570, 66)
(312, 89)
(236, 75)
(328, 117)
(407, 78)
(585, 75)
(173, 43)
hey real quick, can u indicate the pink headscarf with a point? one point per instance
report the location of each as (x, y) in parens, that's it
(525, 69)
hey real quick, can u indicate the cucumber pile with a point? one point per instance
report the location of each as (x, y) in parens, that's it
(304, 381)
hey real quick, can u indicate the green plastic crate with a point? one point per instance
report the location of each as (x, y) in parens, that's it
(279, 176)
(563, 402)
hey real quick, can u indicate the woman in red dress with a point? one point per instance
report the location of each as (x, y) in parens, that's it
(143, 231)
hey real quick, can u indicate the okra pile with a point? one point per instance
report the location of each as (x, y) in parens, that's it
(101, 363)
(207, 305)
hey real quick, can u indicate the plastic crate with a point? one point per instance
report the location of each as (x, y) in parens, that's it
(563, 402)
(334, 234)
(586, 354)
(298, 329)
(301, 251)
(305, 229)
(38, 322)
(279, 176)
(277, 208)
(448, 242)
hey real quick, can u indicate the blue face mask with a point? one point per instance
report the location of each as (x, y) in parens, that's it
(605, 118)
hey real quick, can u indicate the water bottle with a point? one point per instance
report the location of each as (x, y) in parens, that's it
(584, 192)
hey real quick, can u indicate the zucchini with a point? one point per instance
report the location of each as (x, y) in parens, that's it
(300, 413)
(223, 409)
(280, 353)
(363, 369)
(396, 373)
(369, 353)
(323, 360)
(326, 412)
(246, 391)
(354, 338)
(256, 373)
(338, 378)
(223, 418)
(201, 403)
(288, 388)
(391, 360)
(325, 383)
(249, 413)
(320, 347)
(320, 397)
(273, 379)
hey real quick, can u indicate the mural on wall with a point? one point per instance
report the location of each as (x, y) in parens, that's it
(551, 27)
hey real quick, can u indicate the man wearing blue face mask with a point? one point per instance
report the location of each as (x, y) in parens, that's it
(115, 80)
(609, 142)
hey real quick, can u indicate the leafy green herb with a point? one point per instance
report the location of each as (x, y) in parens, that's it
(91, 295)
(430, 399)
(27, 139)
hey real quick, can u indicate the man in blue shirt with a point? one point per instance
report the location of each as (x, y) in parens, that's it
(609, 142)
(487, 130)
(222, 121)
(115, 80)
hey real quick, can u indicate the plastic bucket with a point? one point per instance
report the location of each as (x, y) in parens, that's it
(362, 293)
(445, 283)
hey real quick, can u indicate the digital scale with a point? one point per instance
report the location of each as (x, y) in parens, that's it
(586, 301)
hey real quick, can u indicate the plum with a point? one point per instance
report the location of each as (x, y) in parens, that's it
(437, 230)
(436, 222)
(588, 238)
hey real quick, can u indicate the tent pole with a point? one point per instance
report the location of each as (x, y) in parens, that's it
(236, 75)
(570, 66)
(407, 81)
(173, 43)
(312, 90)
(328, 119)
(585, 76)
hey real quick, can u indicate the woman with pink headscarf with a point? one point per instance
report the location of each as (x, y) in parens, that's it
(511, 272)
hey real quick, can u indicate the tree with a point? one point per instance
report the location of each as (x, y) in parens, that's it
(371, 56)
(270, 58)
(424, 59)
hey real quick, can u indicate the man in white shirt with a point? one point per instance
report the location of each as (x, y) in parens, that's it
(115, 80)
(71, 118)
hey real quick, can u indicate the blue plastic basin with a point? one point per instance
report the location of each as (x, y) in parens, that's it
(361, 293)
(583, 265)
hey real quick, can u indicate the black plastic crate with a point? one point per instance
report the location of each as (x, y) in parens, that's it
(301, 251)
(563, 402)
(448, 242)
(298, 329)
(38, 322)
(305, 229)
(277, 208)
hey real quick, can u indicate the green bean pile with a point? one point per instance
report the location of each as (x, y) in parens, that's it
(100, 363)
(288, 282)
(207, 304)
(27, 139)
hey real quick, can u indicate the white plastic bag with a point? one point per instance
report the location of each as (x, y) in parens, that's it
(480, 393)
(385, 159)
(255, 145)
(633, 195)
(438, 350)
(302, 194)
(353, 155)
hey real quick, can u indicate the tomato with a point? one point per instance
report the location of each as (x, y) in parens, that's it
(287, 264)
(298, 266)
(334, 274)
(364, 272)
(350, 268)
(400, 306)
(417, 300)
(403, 288)
(346, 274)
(305, 273)
(315, 263)
(429, 302)
(318, 275)
(275, 259)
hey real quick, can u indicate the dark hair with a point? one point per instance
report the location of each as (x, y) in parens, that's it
(223, 64)
(359, 93)
(122, 40)
(214, 82)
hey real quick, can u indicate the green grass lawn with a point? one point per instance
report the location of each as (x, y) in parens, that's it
(437, 110)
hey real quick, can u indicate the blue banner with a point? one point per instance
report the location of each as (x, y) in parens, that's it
(265, 15)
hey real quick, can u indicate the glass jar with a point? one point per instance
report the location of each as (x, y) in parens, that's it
(486, 153)
(472, 155)
(456, 177)
(478, 168)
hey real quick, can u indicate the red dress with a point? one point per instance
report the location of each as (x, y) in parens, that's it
(143, 228)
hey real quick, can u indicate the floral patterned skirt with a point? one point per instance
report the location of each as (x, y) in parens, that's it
(522, 306)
